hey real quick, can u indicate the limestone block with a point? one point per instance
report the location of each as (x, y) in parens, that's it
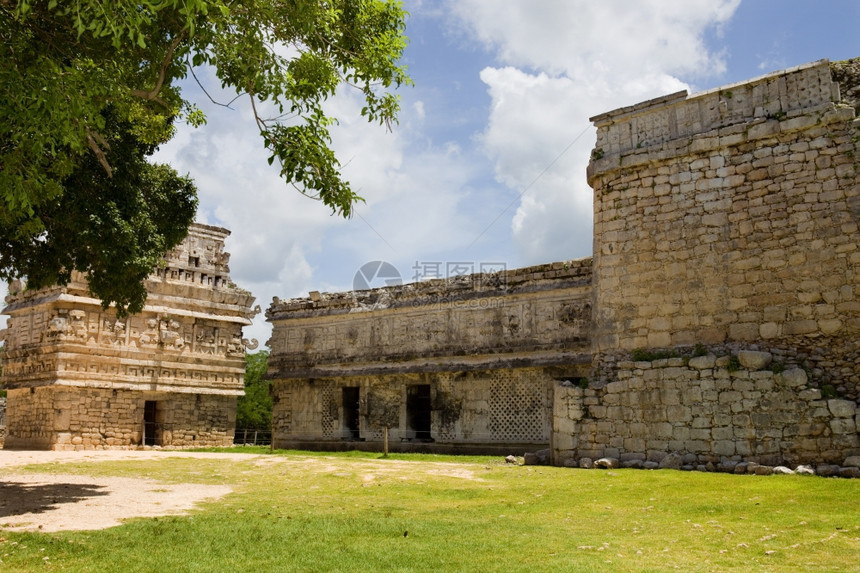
(842, 408)
(722, 434)
(800, 327)
(843, 426)
(743, 449)
(703, 362)
(564, 441)
(678, 414)
(810, 394)
(849, 472)
(830, 327)
(827, 470)
(671, 461)
(754, 360)
(747, 331)
(616, 387)
(743, 386)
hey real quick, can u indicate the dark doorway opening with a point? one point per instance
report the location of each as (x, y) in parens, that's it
(418, 410)
(351, 395)
(151, 427)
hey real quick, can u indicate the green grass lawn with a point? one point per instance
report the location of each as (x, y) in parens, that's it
(300, 511)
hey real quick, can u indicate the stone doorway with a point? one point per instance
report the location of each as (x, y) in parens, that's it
(351, 426)
(418, 409)
(151, 426)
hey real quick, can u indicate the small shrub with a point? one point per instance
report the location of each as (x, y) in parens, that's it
(700, 350)
(582, 383)
(777, 367)
(828, 391)
(734, 364)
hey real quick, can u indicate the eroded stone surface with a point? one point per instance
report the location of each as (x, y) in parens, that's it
(79, 377)
(726, 227)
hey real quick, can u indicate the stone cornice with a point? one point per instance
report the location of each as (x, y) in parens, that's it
(679, 125)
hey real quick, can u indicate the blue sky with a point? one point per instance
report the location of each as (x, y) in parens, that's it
(487, 165)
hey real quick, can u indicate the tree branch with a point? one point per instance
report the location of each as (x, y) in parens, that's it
(152, 95)
(200, 85)
(100, 155)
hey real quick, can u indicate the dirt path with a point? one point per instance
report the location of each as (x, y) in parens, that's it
(56, 502)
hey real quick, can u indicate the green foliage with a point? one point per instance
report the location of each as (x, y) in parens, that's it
(643, 355)
(117, 228)
(304, 511)
(699, 350)
(828, 391)
(84, 82)
(254, 409)
(734, 363)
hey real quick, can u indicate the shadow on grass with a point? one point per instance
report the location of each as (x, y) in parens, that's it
(20, 498)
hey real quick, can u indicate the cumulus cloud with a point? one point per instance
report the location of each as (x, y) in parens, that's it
(428, 197)
(560, 63)
(284, 244)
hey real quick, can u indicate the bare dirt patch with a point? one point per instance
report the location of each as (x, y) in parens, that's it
(57, 502)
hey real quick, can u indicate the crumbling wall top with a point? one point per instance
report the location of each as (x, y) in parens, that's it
(781, 95)
(460, 288)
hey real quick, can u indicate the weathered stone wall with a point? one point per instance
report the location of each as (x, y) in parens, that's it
(542, 313)
(188, 338)
(63, 418)
(709, 409)
(29, 418)
(186, 343)
(488, 346)
(501, 406)
(731, 218)
(725, 223)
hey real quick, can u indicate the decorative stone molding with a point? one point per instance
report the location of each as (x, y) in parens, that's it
(187, 340)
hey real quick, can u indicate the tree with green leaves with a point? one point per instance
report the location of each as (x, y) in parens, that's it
(254, 409)
(90, 88)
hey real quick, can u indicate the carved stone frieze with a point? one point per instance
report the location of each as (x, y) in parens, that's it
(187, 340)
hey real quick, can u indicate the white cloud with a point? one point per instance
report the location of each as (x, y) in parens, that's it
(559, 63)
(563, 62)
(583, 39)
(284, 244)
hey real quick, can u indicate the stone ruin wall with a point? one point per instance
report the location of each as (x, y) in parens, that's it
(726, 250)
(490, 407)
(64, 418)
(715, 414)
(475, 319)
(725, 222)
(185, 347)
(731, 218)
(489, 346)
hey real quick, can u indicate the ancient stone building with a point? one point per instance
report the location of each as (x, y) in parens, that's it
(729, 220)
(465, 364)
(717, 324)
(78, 377)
